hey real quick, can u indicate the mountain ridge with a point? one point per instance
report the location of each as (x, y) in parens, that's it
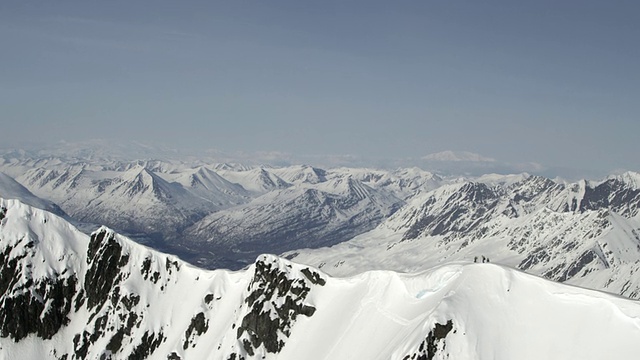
(114, 298)
(581, 233)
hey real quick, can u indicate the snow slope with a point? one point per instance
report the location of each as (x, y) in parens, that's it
(11, 189)
(65, 295)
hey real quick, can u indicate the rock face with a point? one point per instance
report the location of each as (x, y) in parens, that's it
(434, 343)
(275, 301)
(66, 295)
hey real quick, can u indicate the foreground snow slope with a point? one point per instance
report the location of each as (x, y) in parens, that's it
(65, 295)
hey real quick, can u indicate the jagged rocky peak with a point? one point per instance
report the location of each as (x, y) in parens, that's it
(138, 176)
(276, 297)
(140, 182)
(614, 193)
(531, 187)
(459, 208)
(462, 207)
(477, 193)
(270, 180)
(630, 178)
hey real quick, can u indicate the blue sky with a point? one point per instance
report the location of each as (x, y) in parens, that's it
(552, 82)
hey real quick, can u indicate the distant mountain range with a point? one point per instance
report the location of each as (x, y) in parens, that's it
(347, 220)
(230, 213)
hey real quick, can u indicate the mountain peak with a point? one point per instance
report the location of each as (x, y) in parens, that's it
(631, 178)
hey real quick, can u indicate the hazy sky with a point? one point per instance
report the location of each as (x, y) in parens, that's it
(553, 82)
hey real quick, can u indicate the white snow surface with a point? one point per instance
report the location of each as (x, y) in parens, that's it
(495, 312)
(11, 189)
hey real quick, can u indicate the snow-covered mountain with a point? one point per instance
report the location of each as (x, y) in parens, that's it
(582, 233)
(135, 200)
(224, 215)
(207, 184)
(11, 189)
(303, 215)
(232, 212)
(403, 183)
(67, 295)
(256, 180)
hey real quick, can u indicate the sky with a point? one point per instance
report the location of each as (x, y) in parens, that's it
(547, 82)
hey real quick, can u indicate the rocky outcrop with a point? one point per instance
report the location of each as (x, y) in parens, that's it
(274, 302)
(433, 344)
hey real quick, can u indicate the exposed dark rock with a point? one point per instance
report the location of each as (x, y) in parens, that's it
(531, 187)
(31, 305)
(83, 342)
(81, 348)
(576, 267)
(612, 194)
(9, 269)
(147, 346)
(266, 320)
(79, 300)
(129, 320)
(116, 341)
(130, 301)
(171, 264)
(146, 268)
(27, 313)
(463, 211)
(208, 299)
(429, 347)
(539, 255)
(104, 258)
(235, 356)
(198, 326)
(313, 276)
